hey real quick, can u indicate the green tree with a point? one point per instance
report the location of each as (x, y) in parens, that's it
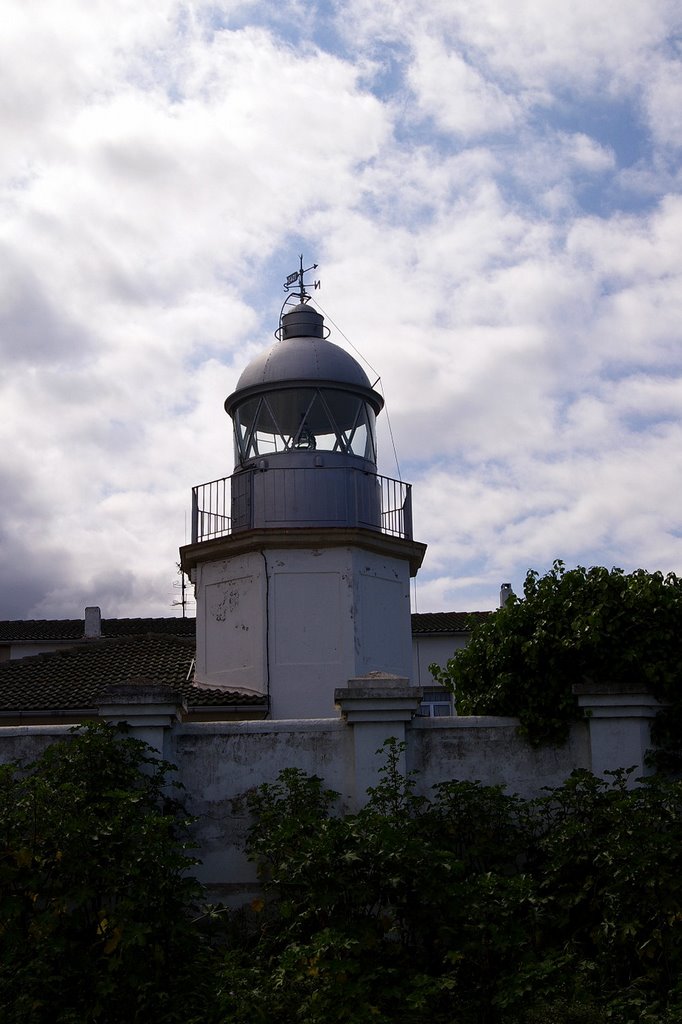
(598, 625)
(94, 886)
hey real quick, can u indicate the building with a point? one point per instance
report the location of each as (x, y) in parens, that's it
(67, 664)
(305, 653)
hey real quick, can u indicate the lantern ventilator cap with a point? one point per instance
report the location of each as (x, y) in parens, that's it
(300, 320)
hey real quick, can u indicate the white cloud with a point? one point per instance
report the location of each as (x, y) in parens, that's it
(663, 102)
(455, 94)
(160, 164)
(530, 55)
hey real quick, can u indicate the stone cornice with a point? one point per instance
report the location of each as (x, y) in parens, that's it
(244, 541)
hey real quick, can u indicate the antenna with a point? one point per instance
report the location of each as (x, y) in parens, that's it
(184, 598)
(296, 280)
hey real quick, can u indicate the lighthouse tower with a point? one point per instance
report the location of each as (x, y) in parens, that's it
(301, 560)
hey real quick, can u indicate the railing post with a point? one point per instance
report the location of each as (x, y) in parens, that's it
(384, 503)
(195, 515)
(407, 512)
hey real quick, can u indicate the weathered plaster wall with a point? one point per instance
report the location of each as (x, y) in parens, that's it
(25, 743)
(489, 750)
(218, 762)
(295, 623)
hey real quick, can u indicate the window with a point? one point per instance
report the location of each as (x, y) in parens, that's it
(436, 703)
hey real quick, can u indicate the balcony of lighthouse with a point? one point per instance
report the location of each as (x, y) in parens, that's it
(310, 494)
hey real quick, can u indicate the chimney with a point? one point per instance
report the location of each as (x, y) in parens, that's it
(505, 593)
(93, 623)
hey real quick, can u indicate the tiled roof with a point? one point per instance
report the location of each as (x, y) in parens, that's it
(27, 630)
(170, 625)
(45, 630)
(154, 650)
(77, 678)
(446, 622)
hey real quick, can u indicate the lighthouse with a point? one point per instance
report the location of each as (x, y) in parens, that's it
(301, 559)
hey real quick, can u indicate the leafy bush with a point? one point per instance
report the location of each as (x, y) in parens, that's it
(607, 870)
(94, 886)
(573, 625)
(473, 906)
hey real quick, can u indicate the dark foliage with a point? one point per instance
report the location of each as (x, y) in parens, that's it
(94, 889)
(473, 907)
(469, 907)
(596, 624)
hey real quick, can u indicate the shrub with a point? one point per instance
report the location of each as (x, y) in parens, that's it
(594, 624)
(94, 885)
(472, 906)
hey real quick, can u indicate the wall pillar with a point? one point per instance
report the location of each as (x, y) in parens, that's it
(148, 708)
(620, 720)
(377, 707)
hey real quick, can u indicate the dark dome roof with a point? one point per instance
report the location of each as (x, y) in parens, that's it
(303, 359)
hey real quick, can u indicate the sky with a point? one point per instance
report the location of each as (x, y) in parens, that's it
(493, 194)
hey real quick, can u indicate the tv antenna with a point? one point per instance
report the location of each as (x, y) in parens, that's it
(184, 599)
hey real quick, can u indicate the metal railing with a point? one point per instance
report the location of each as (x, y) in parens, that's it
(210, 503)
(301, 496)
(396, 507)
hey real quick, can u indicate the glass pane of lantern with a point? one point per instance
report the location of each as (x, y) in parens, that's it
(344, 412)
(289, 407)
(268, 436)
(239, 441)
(305, 418)
(358, 441)
(361, 439)
(371, 444)
(243, 422)
(255, 430)
(343, 408)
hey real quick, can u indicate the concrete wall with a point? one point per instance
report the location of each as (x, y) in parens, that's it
(489, 750)
(25, 743)
(218, 762)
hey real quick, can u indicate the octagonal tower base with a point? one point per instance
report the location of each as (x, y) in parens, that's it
(293, 614)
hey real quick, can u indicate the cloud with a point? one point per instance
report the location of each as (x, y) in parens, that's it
(663, 103)
(458, 171)
(456, 95)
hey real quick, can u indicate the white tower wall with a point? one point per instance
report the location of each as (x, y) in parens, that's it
(231, 625)
(297, 623)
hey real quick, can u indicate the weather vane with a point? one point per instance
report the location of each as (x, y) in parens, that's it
(295, 280)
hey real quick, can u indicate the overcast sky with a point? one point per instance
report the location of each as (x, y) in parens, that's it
(492, 191)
